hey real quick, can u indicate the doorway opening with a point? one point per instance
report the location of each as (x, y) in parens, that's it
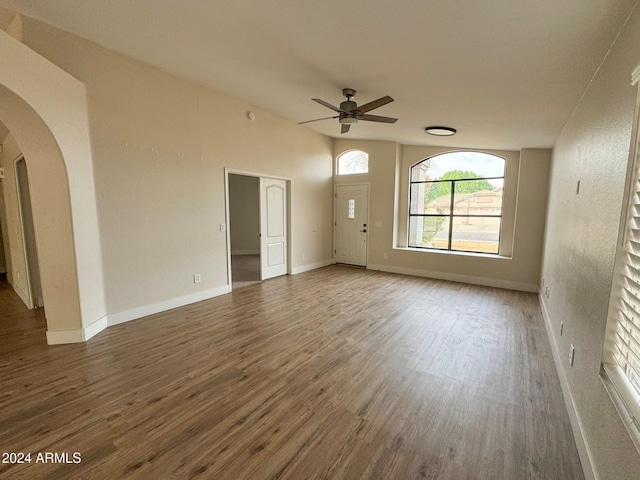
(244, 229)
(33, 283)
(258, 235)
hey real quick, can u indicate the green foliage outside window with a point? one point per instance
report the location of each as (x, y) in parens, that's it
(437, 190)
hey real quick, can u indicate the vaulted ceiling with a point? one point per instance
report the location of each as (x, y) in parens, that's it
(506, 73)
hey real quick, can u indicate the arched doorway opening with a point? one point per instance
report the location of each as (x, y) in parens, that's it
(45, 110)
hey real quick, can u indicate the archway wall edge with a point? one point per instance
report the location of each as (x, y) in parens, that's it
(46, 110)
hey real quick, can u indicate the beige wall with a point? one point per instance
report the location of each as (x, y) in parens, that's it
(160, 145)
(582, 232)
(45, 110)
(244, 214)
(522, 234)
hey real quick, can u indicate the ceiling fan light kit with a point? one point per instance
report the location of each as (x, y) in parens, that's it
(349, 112)
(439, 131)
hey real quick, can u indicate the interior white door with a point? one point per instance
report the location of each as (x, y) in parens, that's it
(352, 213)
(273, 227)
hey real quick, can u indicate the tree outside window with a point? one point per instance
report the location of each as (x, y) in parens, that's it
(352, 162)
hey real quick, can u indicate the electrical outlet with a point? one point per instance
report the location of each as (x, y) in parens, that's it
(303, 256)
(384, 256)
(561, 328)
(197, 278)
(223, 227)
(572, 355)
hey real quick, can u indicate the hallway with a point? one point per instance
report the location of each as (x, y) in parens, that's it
(21, 330)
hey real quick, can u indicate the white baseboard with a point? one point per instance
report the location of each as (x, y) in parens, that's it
(58, 337)
(76, 336)
(311, 266)
(95, 328)
(84, 334)
(586, 458)
(245, 252)
(453, 277)
(145, 310)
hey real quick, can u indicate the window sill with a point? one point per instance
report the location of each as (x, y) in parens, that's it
(610, 378)
(457, 254)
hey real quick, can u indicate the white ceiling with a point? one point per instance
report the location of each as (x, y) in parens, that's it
(506, 73)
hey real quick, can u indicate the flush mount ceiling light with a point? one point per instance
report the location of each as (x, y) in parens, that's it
(441, 131)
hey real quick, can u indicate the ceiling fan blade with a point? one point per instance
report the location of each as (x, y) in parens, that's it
(326, 104)
(317, 120)
(377, 118)
(345, 128)
(375, 104)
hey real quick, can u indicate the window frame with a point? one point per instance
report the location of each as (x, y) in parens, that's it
(452, 215)
(347, 152)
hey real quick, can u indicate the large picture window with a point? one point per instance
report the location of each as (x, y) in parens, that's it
(456, 202)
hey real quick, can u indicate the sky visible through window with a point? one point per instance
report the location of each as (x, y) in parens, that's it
(483, 164)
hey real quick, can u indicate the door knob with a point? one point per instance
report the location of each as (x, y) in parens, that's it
(364, 231)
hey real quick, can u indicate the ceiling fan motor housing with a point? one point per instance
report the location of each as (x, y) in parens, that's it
(348, 105)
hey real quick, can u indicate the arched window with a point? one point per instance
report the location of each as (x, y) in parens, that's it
(456, 202)
(354, 161)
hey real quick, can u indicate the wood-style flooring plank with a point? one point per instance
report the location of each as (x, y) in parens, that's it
(337, 373)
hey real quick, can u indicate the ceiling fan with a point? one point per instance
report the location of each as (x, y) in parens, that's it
(349, 111)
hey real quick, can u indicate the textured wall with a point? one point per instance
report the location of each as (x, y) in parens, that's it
(581, 237)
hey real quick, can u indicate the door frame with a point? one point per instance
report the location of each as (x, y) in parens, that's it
(335, 216)
(289, 203)
(27, 263)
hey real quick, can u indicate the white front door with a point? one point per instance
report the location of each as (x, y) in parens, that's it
(273, 227)
(352, 217)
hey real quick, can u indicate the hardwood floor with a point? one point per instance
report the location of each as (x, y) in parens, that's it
(336, 373)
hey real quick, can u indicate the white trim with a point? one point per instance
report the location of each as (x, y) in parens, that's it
(586, 457)
(76, 336)
(454, 277)
(312, 266)
(247, 173)
(493, 256)
(289, 237)
(24, 296)
(28, 299)
(145, 310)
(95, 328)
(59, 337)
(245, 252)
